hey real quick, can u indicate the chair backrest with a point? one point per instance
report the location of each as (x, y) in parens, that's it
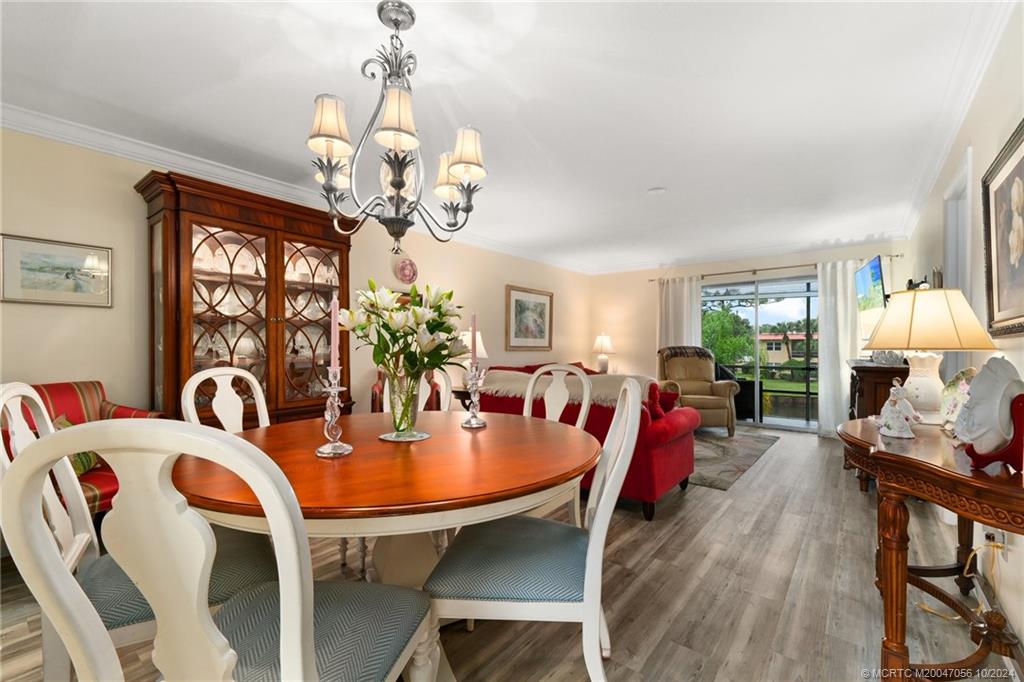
(428, 381)
(609, 474)
(169, 554)
(227, 405)
(692, 367)
(71, 525)
(556, 395)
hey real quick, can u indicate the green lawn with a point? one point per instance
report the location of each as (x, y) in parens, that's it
(783, 385)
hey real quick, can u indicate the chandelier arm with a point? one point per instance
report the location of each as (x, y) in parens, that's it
(357, 154)
(428, 219)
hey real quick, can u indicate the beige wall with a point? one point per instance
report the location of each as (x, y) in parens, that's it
(57, 343)
(478, 278)
(997, 109)
(625, 304)
(67, 193)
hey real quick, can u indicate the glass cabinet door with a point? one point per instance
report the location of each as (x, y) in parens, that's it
(311, 276)
(229, 305)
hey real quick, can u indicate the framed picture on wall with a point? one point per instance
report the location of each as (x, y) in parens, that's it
(1002, 197)
(529, 315)
(43, 271)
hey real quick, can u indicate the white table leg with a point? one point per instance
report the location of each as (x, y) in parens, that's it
(408, 560)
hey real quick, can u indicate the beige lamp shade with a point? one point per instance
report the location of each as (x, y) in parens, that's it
(603, 344)
(929, 319)
(446, 187)
(468, 157)
(342, 179)
(481, 352)
(329, 135)
(397, 129)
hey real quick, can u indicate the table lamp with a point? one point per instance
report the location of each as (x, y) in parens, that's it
(603, 348)
(926, 322)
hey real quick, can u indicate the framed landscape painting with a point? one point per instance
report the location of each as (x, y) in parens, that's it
(1002, 196)
(43, 271)
(528, 318)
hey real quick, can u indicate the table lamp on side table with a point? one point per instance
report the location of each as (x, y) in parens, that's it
(603, 348)
(926, 322)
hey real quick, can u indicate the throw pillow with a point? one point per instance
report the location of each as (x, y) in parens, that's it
(80, 461)
(654, 402)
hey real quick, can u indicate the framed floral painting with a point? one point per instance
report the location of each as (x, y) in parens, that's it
(1002, 196)
(43, 271)
(529, 317)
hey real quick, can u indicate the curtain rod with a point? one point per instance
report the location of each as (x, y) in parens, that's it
(777, 267)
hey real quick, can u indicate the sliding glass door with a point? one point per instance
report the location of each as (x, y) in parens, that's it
(765, 333)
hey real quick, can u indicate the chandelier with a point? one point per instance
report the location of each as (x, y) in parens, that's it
(401, 182)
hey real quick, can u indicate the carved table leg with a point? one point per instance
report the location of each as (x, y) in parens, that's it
(864, 478)
(892, 531)
(964, 547)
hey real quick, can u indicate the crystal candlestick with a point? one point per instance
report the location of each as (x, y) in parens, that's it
(473, 379)
(332, 411)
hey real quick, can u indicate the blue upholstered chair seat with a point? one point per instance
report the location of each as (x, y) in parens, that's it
(242, 560)
(359, 629)
(518, 558)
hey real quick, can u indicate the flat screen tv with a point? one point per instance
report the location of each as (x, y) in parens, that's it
(870, 296)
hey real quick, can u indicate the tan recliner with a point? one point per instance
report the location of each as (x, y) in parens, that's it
(690, 372)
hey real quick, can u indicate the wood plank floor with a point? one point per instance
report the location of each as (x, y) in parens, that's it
(770, 580)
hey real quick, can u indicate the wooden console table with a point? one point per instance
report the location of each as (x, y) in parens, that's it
(932, 468)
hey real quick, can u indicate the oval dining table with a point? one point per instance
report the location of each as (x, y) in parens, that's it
(400, 492)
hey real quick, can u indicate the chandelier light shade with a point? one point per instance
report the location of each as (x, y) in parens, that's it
(468, 158)
(329, 135)
(446, 187)
(399, 202)
(397, 129)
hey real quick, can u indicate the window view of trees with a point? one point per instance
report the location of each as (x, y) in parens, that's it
(779, 360)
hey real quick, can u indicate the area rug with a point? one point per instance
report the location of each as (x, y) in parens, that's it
(719, 461)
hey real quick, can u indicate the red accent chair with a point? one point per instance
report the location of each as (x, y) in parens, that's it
(86, 401)
(664, 445)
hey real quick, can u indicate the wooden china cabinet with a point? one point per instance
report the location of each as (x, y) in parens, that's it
(243, 280)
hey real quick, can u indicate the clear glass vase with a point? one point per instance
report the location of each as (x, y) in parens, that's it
(403, 401)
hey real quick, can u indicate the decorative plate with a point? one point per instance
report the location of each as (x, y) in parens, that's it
(985, 420)
(404, 268)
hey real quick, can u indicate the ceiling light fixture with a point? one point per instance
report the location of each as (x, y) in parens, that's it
(401, 180)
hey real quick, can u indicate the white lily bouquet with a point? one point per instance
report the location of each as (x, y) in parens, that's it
(409, 338)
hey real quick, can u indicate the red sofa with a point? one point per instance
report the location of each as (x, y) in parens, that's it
(664, 448)
(86, 401)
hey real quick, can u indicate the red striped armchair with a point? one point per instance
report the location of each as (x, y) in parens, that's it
(86, 401)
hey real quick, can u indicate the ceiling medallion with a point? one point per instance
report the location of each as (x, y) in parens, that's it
(401, 180)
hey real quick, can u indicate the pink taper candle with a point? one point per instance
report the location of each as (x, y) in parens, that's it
(472, 339)
(334, 331)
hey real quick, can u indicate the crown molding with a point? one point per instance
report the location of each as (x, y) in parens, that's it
(69, 132)
(987, 24)
(61, 130)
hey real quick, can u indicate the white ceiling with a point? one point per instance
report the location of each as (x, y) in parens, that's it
(774, 127)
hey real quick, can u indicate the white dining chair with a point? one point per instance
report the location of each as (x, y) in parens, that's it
(227, 405)
(556, 399)
(229, 408)
(242, 559)
(290, 629)
(533, 569)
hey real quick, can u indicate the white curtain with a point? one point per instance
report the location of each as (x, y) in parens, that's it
(837, 342)
(679, 311)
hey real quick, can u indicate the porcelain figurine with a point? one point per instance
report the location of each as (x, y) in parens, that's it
(898, 415)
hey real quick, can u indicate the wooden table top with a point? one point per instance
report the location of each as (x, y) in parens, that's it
(454, 468)
(932, 449)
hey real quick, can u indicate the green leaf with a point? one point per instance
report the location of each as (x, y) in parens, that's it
(378, 355)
